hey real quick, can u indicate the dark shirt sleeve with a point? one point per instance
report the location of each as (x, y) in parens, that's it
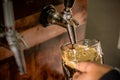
(113, 74)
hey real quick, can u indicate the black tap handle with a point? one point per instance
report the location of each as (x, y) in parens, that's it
(68, 3)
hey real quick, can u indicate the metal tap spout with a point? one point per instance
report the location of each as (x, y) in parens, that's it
(50, 16)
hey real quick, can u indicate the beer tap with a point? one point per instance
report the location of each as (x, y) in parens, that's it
(12, 36)
(50, 16)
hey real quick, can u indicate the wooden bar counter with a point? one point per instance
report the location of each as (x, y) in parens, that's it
(43, 57)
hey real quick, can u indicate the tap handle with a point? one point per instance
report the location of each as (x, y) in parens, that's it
(11, 36)
(68, 3)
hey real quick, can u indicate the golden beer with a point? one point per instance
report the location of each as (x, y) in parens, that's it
(75, 53)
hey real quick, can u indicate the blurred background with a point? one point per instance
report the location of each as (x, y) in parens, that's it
(103, 23)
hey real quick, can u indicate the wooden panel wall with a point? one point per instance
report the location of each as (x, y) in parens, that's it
(43, 58)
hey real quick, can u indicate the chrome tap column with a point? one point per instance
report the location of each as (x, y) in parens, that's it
(11, 35)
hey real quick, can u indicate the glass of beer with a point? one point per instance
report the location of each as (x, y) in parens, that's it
(85, 50)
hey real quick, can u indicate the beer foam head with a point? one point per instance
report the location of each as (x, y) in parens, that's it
(71, 56)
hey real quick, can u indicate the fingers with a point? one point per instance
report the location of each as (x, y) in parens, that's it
(90, 66)
(76, 76)
(85, 66)
(90, 71)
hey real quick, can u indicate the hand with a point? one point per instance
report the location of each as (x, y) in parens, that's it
(90, 71)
